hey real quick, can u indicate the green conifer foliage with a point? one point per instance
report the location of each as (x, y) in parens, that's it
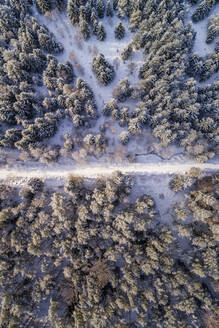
(119, 31)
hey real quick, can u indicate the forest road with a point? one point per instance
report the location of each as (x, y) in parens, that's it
(20, 174)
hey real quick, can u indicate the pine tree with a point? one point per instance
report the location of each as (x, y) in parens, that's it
(124, 7)
(101, 35)
(135, 19)
(48, 43)
(100, 7)
(94, 22)
(61, 4)
(119, 31)
(213, 28)
(44, 5)
(115, 4)
(73, 12)
(123, 90)
(104, 71)
(126, 53)
(84, 27)
(109, 10)
(203, 10)
(124, 137)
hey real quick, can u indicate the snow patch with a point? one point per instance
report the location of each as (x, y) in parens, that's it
(200, 45)
(81, 53)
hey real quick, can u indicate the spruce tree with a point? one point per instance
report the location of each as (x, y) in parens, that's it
(93, 16)
(109, 10)
(126, 53)
(73, 12)
(124, 8)
(115, 4)
(100, 7)
(203, 10)
(94, 22)
(103, 70)
(124, 137)
(213, 28)
(44, 5)
(119, 31)
(82, 13)
(88, 9)
(84, 28)
(61, 4)
(101, 35)
(135, 19)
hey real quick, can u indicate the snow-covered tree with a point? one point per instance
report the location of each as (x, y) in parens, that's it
(213, 28)
(84, 27)
(109, 10)
(119, 31)
(126, 53)
(44, 5)
(124, 137)
(123, 90)
(203, 10)
(101, 34)
(73, 12)
(135, 19)
(100, 7)
(104, 71)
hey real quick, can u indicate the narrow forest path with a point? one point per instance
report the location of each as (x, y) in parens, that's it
(94, 170)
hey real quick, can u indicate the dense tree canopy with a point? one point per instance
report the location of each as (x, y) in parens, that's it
(168, 98)
(87, 258)
(98, 254)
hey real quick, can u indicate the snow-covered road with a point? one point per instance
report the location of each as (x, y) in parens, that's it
(95, 170)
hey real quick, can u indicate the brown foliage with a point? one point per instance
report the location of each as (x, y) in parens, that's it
(205, 184)
(215, 286)
(40, 201)
(69, 292)
(116, 92)
(7, 196)
(210, 320)
(101, 273)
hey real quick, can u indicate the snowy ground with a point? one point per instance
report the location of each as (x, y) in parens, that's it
(157, 185)
(81, 53)
(96, 170)
(152, 174)
(150, 179)
(145, 147)
(200, 45)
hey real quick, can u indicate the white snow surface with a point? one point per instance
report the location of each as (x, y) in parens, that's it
(200, 46)
(81, 53)
(150, 178)
(96, 170)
